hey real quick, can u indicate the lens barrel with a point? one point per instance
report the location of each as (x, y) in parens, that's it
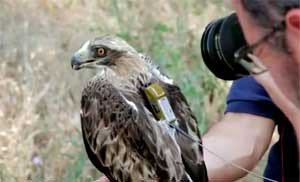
(220, 40)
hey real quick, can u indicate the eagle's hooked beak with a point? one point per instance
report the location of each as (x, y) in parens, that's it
(76, 62)
(81, 58)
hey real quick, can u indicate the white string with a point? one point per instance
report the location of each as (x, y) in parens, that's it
(237, 166)
(222, 158)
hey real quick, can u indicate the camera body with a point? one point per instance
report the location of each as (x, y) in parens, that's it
(220, 40)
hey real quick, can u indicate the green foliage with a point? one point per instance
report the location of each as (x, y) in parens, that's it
(75, 169)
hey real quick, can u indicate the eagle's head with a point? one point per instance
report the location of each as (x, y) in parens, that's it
(109, 52)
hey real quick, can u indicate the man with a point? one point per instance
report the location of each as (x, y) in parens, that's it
(256, 104)
(254, 109)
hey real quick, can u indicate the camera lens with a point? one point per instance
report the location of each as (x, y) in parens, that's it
(220, 40)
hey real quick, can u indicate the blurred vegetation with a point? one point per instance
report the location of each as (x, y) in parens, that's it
(40, 137)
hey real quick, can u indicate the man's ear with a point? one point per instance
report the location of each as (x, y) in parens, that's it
(292, 20)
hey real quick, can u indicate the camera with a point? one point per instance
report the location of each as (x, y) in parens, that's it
(219, 42)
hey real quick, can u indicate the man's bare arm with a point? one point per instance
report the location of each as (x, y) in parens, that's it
(239, 138)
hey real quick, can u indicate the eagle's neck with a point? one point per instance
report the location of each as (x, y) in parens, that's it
(141, 81)
(130, 83)
(154, 69)
(133, 73)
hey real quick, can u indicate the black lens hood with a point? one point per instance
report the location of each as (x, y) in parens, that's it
(232, 39)
(219, 42)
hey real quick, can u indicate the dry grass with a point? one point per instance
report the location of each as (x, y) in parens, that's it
(40, 137)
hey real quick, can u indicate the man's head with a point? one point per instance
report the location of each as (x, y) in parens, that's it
(257, 17)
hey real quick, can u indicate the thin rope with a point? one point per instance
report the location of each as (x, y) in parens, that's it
(221, 158)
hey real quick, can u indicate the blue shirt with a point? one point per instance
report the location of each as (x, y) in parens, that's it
(247, 96)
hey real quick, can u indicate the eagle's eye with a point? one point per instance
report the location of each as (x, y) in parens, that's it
(101, 52)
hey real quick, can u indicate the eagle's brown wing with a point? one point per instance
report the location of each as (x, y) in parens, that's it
(192, 153)
(122, 140)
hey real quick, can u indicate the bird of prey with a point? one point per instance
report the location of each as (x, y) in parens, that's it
(122, 137)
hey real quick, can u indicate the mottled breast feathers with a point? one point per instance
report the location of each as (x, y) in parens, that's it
(123, 141)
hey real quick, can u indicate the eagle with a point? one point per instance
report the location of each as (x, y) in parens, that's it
(122, 137)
